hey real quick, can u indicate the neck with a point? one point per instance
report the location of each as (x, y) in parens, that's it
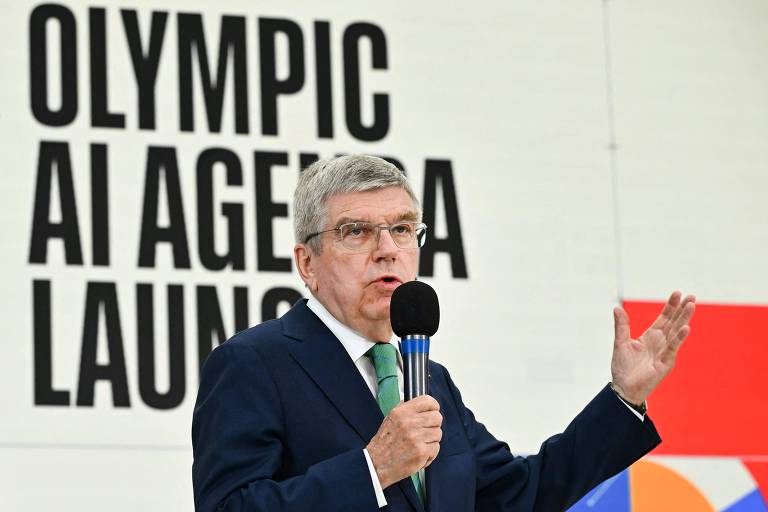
(374, 330)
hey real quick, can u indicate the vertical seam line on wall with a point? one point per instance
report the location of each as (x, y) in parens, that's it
(612, 152)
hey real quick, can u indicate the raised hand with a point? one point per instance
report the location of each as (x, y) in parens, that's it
(639, 365)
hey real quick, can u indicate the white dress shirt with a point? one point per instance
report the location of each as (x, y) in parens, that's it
(356, 346)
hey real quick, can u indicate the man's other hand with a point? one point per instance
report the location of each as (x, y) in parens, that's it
(408, 440)
(639, 365)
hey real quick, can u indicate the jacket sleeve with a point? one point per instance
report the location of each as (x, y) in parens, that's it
(237, 442)
(603, 439)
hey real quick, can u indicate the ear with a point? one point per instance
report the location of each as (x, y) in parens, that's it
(303, 257)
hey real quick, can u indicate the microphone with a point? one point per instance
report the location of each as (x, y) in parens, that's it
(415, 315)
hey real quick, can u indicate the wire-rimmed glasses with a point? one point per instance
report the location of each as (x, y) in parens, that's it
(364, 236)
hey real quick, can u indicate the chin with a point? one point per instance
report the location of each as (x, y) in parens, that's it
(378, 311)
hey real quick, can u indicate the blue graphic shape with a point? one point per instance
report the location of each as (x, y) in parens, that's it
(752, 502)
(610, 496)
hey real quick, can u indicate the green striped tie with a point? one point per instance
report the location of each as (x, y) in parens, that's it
(384, 358)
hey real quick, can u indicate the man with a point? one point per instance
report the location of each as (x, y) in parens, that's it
(299, 414)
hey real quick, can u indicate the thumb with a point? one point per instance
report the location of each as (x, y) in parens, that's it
(620, 325)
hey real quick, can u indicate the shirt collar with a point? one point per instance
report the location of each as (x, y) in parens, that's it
(354, 343)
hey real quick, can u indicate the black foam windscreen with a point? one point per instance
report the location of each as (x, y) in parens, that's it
(414, 309)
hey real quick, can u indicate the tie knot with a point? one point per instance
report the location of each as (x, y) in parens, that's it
(384, 359)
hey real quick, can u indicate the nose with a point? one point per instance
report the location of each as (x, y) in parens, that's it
(385, 246)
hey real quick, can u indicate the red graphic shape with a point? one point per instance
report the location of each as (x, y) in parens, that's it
(759, 472)
(715, 402)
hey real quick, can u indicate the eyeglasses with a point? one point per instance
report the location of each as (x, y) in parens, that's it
(364, 236)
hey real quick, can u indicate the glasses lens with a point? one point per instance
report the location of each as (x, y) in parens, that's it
(356, 235)
(404, 235)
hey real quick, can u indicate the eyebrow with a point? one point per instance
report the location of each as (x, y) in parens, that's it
(408, 216)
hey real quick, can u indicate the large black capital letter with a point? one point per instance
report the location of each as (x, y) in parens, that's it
(380, 126)
(55, 153)
(146, 332)
(266, 211)
(101, 117)
(232, 38)
(145, 64)
(98, 296)
(161, 161)
(99, 205)
(271, 87)
(233, 212)
(323, 80)
(440, 171)
(38, 64)
(41, 326)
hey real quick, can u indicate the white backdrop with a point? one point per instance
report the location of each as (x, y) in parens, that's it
(599, 150)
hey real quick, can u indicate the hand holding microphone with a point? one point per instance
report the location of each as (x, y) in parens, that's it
(409, 438)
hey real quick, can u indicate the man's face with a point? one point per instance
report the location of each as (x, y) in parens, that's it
(357, 287)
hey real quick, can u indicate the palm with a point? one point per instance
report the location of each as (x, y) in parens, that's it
(639, 365)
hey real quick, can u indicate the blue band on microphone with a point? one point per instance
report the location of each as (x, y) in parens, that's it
(414, 346)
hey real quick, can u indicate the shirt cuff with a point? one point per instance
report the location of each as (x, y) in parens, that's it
(382, 501)
(641, 417)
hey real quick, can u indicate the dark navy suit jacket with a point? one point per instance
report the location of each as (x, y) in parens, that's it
(283, 414)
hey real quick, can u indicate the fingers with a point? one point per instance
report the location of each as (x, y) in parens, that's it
(422, 403)
(620, 325)
(669, 353)
(431, 419)
(678, 333)
(686, 313)
(670, 318)
(681, 316)
(431, 434)
(421, 413)
(669, 310)
(434, 450)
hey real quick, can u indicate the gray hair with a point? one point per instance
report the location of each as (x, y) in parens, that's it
(331, 176)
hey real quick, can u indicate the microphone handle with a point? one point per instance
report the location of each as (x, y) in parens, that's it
(415, 351)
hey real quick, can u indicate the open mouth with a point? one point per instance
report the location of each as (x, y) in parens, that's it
(388, 281)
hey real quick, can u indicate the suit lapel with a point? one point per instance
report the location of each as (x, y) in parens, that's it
(324, 359)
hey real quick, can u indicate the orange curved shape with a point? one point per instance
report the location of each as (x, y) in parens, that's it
(656, 488)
